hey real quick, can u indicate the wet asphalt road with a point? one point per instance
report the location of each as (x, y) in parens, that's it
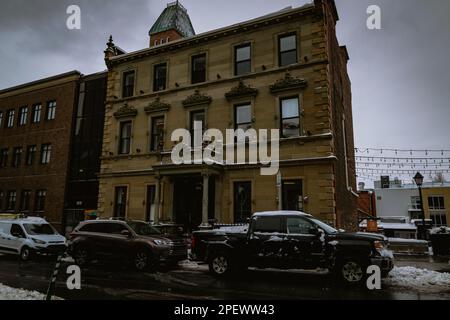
(108, 281)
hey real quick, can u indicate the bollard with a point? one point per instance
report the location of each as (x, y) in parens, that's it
(51, 287)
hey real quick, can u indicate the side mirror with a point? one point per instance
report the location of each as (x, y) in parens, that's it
(126, 233)
(314, 231)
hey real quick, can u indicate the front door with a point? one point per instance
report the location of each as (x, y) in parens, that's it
(187, 202)
(292, 195)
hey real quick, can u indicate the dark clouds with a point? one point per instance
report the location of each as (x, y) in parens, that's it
(400, 75)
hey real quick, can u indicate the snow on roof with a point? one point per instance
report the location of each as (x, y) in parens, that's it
(282, 213)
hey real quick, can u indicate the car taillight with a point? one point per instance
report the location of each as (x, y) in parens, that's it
(192, 241)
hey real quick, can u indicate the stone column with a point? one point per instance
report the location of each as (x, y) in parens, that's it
(205, 202)
(157, 198)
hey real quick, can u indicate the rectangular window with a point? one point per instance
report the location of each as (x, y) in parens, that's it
(31, 155)
(125, 137)
(11, 200)
(415, 203)
(128, 84)
(157, 138)
(1, 119)
(242, 59)
(17, 157)
(150, 212)
(287, 46)
(290, 117)
(198, 71)
(46, 152)
(268, 225)
(37, 109)
(25, 200)
(243, 116)
(51, 110)
(39, 204)
(159, 77)
(197, 121)
(23, 116)
(4, 157)
(292, 195)
(10, 118)
(436, 203)
(120, 202)
(242, 201)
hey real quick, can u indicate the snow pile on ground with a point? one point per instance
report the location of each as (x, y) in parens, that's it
(8, 293)
(440, 230)
(416, 278)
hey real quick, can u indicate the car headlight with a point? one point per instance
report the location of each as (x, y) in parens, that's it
(39, 241)
(162, 242)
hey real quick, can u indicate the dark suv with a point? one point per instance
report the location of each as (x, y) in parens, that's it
(134, 241)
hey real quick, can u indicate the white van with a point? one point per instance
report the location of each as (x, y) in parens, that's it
(27, 236)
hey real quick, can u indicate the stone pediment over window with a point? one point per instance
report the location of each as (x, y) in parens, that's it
(241, 90)
(157, 106)
(197, 99)
(125, 111)
(288, 83)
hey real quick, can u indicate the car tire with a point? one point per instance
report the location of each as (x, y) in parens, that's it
(81, 256)
(351, 272)
(220, 264)
(26, 254)
(143, 260)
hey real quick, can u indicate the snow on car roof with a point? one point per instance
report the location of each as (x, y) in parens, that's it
(281, 213)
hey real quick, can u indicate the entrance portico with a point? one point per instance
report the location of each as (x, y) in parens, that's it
(193, 189)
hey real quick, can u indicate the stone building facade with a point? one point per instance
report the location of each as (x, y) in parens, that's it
(35, 130)
(282, 71)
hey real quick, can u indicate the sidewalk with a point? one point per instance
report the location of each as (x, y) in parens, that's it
(439, 264)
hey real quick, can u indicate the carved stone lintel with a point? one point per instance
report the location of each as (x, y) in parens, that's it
(157, 106)
(197, 99)
(125, 111)
(288, 83)
(241, 90)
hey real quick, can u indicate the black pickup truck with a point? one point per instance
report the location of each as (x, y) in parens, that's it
(291, 240)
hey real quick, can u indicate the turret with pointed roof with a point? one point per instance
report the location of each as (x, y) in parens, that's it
(173, 23)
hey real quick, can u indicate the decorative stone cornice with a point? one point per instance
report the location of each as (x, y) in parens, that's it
(125, 111)
(241, 90)
(157, 106)
(196, 99)
(288, 83)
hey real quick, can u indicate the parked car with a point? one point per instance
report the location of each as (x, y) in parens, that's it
(291, 240)
(28, 236)
(134, 241)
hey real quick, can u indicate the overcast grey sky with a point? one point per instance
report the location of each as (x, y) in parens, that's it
(400, 75)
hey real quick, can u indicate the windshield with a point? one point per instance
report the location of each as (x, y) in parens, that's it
(143, 229)
(39, 229)
(324, 226)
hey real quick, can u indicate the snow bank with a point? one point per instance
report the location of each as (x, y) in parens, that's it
(440, 230)
(8, 293)
(416, 278)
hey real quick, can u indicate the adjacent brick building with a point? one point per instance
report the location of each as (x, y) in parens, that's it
(35, 130)
(51, 134)
(282, 71)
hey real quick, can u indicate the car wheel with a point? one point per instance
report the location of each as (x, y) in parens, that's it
(351, 272)
(220, 264)
(81, 256)
(25, 254)
(142, 260)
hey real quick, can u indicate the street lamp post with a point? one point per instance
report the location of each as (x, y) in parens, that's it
(418, 179)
